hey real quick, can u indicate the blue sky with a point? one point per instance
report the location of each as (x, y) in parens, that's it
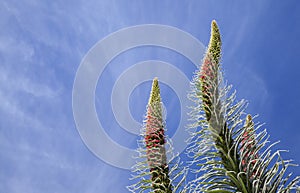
(43, 43)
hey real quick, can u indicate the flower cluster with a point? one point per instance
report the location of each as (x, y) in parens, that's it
(227, 155)
(155, 142)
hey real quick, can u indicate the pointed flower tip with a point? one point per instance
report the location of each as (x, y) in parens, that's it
(214, 23)
(155, 92)
(249, 123)
(249, 118)
(214, 26)
(155, 83)
(214, 47)
(215, 32)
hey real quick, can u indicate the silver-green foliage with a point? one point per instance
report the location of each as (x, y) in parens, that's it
(230, 152)
(157, 168)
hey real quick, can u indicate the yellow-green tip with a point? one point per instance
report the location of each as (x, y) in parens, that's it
(155, 92)
(249, 123)
(214, 47)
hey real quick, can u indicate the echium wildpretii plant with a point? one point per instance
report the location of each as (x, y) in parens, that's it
(229, 151)
(153, 171)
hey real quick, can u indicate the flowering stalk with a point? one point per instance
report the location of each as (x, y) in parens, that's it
(155, 143)
(209, 71)
(229, 154)
(154, 172)
(212, 106)
(248, 149)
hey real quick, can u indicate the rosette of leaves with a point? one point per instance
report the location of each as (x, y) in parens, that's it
(153, 172)
(230, 152)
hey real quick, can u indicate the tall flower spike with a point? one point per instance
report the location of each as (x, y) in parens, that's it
(209, 71)
(248, 149)
(214, 47)
(155, 142)
(154, 172)
(231, 156)
(155, 138)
